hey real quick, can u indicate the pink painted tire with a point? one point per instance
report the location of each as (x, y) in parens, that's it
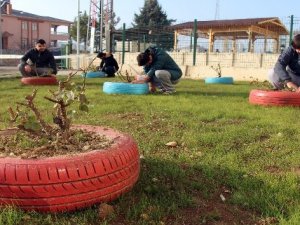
(67, 183)
(274, 98)
(51, 80)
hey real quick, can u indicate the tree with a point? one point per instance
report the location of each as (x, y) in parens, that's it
(151, 15)
(84, 19)
(155, 20)
(83, 27)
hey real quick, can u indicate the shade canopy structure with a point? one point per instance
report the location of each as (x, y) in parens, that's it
(235, 29)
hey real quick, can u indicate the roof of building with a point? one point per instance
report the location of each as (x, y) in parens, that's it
(26, 15)
(272, 24)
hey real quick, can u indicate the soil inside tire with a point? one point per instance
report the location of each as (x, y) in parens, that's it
(17, 143)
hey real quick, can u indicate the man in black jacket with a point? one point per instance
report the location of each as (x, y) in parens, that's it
(38, 61)
(287, 68)
(108, 64)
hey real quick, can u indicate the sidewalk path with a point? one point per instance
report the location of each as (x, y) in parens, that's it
(6, 71)
(11, 71)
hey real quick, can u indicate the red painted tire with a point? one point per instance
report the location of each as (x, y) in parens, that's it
(67, 183)
(274, 98)
(51, 80)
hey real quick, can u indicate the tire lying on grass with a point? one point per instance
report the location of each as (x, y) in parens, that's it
(66, 183)
(219, 80)
(125, 88)
(96, 74)
(274, 98)
(51, 80)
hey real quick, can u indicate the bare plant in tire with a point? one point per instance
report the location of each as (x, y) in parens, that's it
(104, 165)
(217, 69)
(27, 116)
(124, 78)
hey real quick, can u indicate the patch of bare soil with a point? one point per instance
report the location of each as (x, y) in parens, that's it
(16, 143)
(214, 212)
(218, 211)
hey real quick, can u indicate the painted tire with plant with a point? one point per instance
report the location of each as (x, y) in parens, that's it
(67, 183)
(219, 80)
(51, 80)
(96, 74)
(125, 88)
(274, 98)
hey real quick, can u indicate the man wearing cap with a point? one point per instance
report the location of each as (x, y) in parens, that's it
(286, 72)
(161, 70)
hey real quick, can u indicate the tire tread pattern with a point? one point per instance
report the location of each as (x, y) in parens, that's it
(274, 98)
(219, 80)
(68, 183)
(51, 80)
(125, 88)
(95, 74)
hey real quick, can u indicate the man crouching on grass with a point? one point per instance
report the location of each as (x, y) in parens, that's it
(161, 70)
(286, 72)
(38, 61)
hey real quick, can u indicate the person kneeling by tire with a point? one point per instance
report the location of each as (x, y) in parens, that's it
(108, 64)
(161, 70)
(286, 72)
(38, 61)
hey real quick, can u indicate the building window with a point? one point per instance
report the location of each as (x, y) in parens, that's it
(34, 26)
(24, 43)
(33, 42)
(24, 25)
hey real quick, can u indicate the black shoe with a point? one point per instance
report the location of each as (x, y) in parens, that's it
(274, 89)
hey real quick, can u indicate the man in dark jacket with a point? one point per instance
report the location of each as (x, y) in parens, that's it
(161, 70)
(38, 61)
(287, 68)
(108, 64)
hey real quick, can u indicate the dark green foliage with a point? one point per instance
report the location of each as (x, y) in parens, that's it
(151, 15)
(153, 19)
(83, 27)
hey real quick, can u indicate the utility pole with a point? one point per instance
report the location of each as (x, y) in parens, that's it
(101, 26)
(88, 28)
(78, 35)
(291, 29)
(108, 9)
(2, 3)
(93, 8)
(217, 11)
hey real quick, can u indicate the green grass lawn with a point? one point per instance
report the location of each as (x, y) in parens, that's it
(248, 154)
